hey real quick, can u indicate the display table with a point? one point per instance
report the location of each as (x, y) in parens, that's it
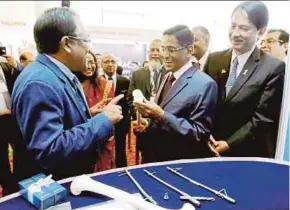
(255, 183)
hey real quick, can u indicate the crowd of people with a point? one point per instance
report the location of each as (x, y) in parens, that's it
(68, 111)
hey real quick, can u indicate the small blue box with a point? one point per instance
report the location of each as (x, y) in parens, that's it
(41, 191)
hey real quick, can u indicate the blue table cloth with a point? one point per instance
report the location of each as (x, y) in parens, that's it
(259, 184)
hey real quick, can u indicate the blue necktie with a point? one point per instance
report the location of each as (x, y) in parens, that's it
(233, 75)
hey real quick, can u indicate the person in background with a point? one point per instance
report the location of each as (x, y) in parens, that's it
(146, 80)
(8, 126)
(26, 58)
(119, 70)
(145, 63)
(200, 46)
(100, 71)
(134, 66)
(97, 96)
(275, 44)
(120, 85)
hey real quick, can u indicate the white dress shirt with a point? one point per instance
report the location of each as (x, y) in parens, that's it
(242, 59)
(201, 61)
(114, 77)
(181, 71)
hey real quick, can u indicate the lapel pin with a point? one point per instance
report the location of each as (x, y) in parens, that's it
(245, 72)
(224, 71)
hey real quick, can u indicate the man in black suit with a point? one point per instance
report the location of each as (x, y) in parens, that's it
(147, 79)
(120, 85)
(8, 75)
(250, 88)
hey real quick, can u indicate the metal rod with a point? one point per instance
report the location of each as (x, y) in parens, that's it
(185, 195)
(217, 193)
(142, 191)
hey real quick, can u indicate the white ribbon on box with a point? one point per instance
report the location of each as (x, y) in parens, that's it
(36, 187)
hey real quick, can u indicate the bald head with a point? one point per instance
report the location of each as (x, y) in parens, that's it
(26, 58)
(201, 41)
(109, 64)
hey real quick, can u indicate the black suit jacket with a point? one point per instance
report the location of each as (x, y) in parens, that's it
(122, 88)
(140, 80)
(248, 117)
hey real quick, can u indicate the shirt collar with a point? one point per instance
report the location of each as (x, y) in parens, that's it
(242, 59)
(65, 70)
(114, 77)
(204, 58)
(183, 69)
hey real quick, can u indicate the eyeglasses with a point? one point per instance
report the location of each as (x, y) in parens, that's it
(86, 42)
(171, 50)
(271, 41)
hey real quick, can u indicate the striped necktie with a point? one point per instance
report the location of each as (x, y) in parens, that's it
(233, 76)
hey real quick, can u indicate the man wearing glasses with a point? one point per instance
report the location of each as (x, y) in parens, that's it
(48, 103)
(276, 44)
(250, 88)
(181, 116)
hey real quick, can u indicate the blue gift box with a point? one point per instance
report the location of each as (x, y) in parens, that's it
(42, 191)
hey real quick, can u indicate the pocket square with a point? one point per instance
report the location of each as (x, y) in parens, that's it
(224, 71)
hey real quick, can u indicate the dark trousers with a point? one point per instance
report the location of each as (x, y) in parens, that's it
(7, 131)
(120, 149)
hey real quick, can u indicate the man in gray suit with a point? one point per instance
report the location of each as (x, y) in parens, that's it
(250, 88)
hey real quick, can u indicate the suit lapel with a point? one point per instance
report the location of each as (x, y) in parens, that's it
(223, 73)
(178, 86)
(161, 86)
(67, 86)
(245, 74)
(147, 80)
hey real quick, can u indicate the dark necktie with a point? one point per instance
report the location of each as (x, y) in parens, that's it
(166, 88)
(111, 80)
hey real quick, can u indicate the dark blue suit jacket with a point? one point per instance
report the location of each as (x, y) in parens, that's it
(189, 111)
(57, 133)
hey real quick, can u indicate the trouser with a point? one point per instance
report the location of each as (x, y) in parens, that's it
(7, 180)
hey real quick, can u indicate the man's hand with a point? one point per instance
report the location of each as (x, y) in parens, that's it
(150, 109)
(98, 108)
(212, 143)
(113, 111)
(141, 127)
(222, 146)
(218, 146)
(11, 61)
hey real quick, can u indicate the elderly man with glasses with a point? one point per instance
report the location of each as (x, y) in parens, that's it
(62, 137)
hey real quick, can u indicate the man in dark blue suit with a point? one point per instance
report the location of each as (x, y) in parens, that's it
(181, 119)
(60, 133)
